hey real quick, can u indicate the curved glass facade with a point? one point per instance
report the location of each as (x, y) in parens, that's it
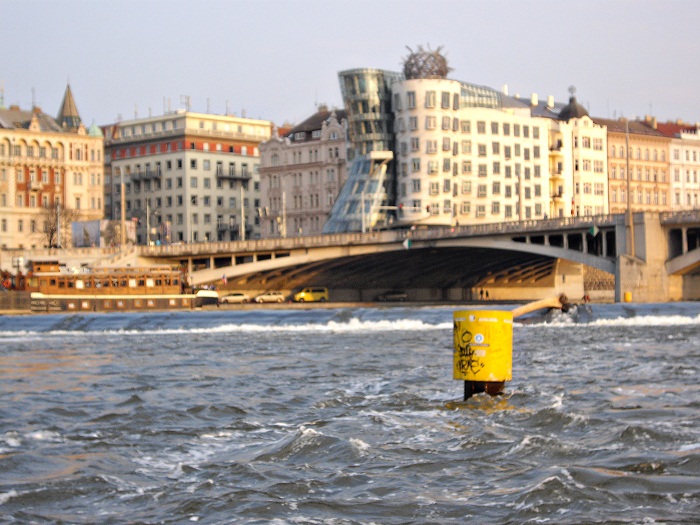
(371, 182)
(367, 99)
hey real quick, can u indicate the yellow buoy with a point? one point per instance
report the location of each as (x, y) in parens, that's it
(628, 297)
(483, 350)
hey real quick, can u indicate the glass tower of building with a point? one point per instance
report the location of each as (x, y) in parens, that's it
(369, 191)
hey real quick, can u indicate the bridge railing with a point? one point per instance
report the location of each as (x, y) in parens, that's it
(546, 225)
(261, 245)
(677, 217)
(389, 236)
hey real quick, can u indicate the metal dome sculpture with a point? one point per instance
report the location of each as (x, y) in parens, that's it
(425, 64)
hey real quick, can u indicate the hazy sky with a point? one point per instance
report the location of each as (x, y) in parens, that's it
(276, 60)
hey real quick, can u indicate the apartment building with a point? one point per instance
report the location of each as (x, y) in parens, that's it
(186, 176)
(301, 174)
(51, 173)
(637, 166)
(684, 163)
(578, 169)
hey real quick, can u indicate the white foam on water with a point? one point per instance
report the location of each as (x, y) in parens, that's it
(45, 435)
(640, 320)
(7, 496)
(359, 444)
(12, 439)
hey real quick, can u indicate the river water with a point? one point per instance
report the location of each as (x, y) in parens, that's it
(347, 416)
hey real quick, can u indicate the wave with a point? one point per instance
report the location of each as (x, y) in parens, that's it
(350, 324)
(642, 320)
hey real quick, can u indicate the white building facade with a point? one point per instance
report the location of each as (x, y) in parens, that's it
(463, 158)
(187, 177)
(684, 165)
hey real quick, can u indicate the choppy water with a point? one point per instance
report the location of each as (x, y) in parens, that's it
(347, 416)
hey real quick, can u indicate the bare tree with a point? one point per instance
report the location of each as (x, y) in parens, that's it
(55, 217)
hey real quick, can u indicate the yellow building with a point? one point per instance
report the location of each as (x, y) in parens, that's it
(638, 159)
(51, 173)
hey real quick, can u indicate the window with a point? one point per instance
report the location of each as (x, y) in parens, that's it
(494, 128)
(445, 100)
(430, 99)
(481, 127)
(430, 122)
(415, 143)
(411, 96)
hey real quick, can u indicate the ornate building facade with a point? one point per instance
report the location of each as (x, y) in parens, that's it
(301, 174)
(51, 173)
(637, 166)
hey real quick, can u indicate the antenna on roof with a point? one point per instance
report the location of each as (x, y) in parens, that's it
(33, 98)
(136, 111)
(2, 95)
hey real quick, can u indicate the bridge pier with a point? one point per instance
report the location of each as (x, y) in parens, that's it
(644, 275)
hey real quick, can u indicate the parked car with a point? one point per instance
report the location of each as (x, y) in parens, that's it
(235, 298)
(312, 294)
(269, 297)
(392, 296)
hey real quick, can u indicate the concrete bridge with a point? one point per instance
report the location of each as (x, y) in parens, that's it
(511, 261)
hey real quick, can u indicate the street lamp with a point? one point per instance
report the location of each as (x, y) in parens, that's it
(148, 221)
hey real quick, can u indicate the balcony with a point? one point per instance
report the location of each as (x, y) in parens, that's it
(153, 174)
(232, 174)
(35, 185)
(226, 226)
(556, 174)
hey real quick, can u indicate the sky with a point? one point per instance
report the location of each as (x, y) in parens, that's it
(278, 60)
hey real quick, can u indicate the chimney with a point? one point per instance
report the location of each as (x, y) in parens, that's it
(550, 101)
(534, 99)
(505, 89)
